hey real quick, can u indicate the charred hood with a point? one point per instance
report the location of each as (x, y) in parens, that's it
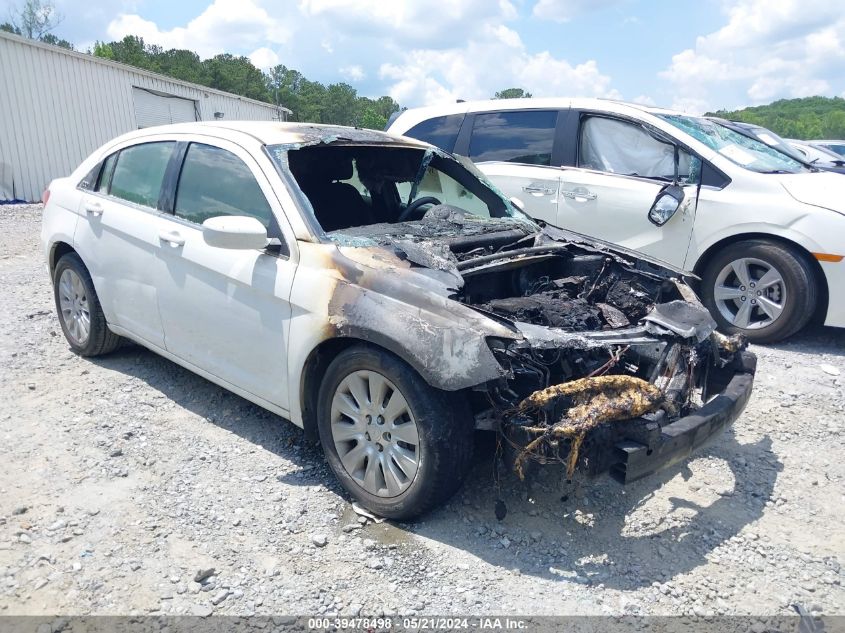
(510, 271)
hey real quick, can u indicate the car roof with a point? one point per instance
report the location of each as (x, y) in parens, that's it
(276, 133)
(412, 116)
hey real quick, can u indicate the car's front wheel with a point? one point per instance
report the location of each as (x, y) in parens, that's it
(763, 289)
(78, 307)
(399, 446)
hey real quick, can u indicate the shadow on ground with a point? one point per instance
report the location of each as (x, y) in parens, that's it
(596, 532)
(814, 340)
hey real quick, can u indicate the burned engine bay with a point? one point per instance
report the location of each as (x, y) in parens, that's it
(608, 346)
(612, 348)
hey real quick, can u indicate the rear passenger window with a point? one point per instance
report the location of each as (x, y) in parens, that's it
(440, 131)
(139, 171)
(516, 137)
(215, 182)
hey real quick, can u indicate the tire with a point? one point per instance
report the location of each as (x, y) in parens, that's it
(75, 296)
(774, 311)
(443, 433)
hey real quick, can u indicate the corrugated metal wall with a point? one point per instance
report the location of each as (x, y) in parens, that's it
(58, 106)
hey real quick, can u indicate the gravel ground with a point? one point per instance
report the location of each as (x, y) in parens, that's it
(129, 485)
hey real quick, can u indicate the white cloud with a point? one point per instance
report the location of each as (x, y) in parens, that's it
(409, 23)
(431, 76)
(353, 73)
(644, 100)
(263, 58)
(223, 25)
(768, 49)
(414, 51)
(566, 10)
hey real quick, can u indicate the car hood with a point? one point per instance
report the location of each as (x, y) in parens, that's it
(823, 189)
(447, 270)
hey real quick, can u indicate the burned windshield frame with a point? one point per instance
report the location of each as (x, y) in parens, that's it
(500, 208)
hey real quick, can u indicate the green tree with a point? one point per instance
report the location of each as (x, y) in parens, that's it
(340, 105)
(102, 49)
(833, 125)
(182, 64)
(312, 98)
(805, 118)
(371, 119)
(512, 93)
(49, 38)
(385, 106)
(237, 75)
(309, 100)
(284, 86)
(130, 50)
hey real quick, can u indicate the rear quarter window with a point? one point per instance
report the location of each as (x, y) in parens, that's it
(440, 131)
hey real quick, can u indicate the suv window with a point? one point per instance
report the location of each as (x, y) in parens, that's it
(440, 131)
(516, 137)
(138, 173)
(620, 147)
(215, 182)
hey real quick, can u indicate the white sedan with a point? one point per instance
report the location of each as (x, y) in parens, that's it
(381, 294)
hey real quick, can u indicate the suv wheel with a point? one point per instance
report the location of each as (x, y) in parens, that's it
(399, 446)
(762, 289)
(78, 307)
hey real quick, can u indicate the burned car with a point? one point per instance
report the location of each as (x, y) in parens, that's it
(383, 295)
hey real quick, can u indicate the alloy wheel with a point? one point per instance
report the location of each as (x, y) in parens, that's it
(375, 434)
(73, 302)
(750, 293)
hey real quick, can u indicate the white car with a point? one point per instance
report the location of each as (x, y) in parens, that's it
(817, 154)
(835, 146)
(381, 294)
(765, 233)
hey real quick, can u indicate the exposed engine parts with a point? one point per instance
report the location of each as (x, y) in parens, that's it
(632, 347)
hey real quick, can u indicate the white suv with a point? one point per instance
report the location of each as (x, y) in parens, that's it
(765, 233)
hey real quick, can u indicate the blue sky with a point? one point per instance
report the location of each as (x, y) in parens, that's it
(691, 55)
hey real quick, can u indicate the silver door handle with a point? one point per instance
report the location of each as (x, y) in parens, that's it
(93, 208)
(580, 194)
(171, 237)
(539, 191)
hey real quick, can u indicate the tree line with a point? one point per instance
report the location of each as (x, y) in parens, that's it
(805, 118)
(311, 101)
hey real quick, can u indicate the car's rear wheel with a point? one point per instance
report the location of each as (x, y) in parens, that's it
(399, 446)
(762, 289)
(78, 307)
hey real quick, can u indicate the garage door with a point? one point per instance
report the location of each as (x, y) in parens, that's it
(153, 108)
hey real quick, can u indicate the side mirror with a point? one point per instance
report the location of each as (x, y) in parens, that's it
(234, 232)
(668, 201)
(519, 204)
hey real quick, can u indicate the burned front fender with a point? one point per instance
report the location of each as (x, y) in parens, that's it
(371, 295)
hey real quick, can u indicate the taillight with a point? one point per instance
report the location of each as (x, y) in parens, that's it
(45, 197)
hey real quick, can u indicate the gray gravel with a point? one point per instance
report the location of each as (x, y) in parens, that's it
(129, 485)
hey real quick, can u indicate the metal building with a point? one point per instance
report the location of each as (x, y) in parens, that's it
(57, 106)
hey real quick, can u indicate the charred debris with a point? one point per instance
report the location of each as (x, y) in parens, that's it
(607, 340)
